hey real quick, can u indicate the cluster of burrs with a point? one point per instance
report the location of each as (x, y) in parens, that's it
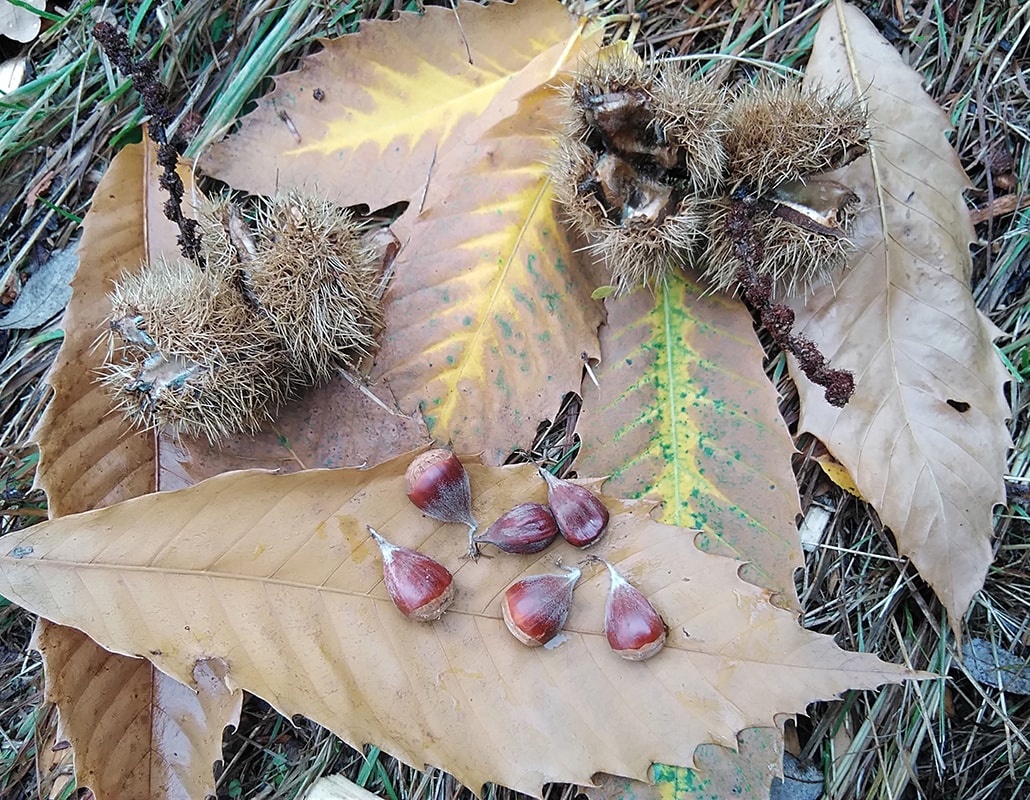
(288, 295)
(661, 169)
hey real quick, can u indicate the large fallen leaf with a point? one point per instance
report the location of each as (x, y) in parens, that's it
(135, 731)
(276, 575)
(88, 460)
(395, 97)
(924, 436)
(685, 414)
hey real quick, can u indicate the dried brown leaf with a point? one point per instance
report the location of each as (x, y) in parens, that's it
(135, 731)
(924, 436)
(276, 575)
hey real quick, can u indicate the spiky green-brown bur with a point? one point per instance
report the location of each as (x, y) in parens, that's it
(784, 132)
(639, 146)
(801, 231)
(608, 103)
(649, 234)
(317, 277)
(689, 113)
(783, 217)
(187, 354)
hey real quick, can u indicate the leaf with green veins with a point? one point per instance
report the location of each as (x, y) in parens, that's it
(685, 413)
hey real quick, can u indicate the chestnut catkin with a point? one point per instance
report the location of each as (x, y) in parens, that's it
(189, 355)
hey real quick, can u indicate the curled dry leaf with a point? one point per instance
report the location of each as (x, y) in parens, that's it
(276, 575)
(135, 731)
(924, 436)
(87, 461)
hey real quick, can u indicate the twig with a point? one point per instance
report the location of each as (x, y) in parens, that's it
(154, 96)
(839, 384)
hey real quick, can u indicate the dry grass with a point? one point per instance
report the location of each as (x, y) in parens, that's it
(957, 738)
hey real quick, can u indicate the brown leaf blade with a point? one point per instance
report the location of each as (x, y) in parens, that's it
(135, 731)
(924, 437)
(395, 95)
(276, 575)
(88, 459)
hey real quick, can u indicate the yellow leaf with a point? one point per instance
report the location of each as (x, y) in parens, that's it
(490, 310)
(396, 96)
(837, 473)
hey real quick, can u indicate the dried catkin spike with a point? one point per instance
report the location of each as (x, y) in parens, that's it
(187, 354)
(316, 275)
(784, 132)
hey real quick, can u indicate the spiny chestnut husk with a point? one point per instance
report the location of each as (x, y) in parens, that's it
(801, 228)
(660, 116)
(639, 225)
(637, 147)
(527, 528)
(635, 631)
(535, 608)
(186, 353)
(316, 274)
(419, 586)
(784, 132)
(580, 515)
(437, 483)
